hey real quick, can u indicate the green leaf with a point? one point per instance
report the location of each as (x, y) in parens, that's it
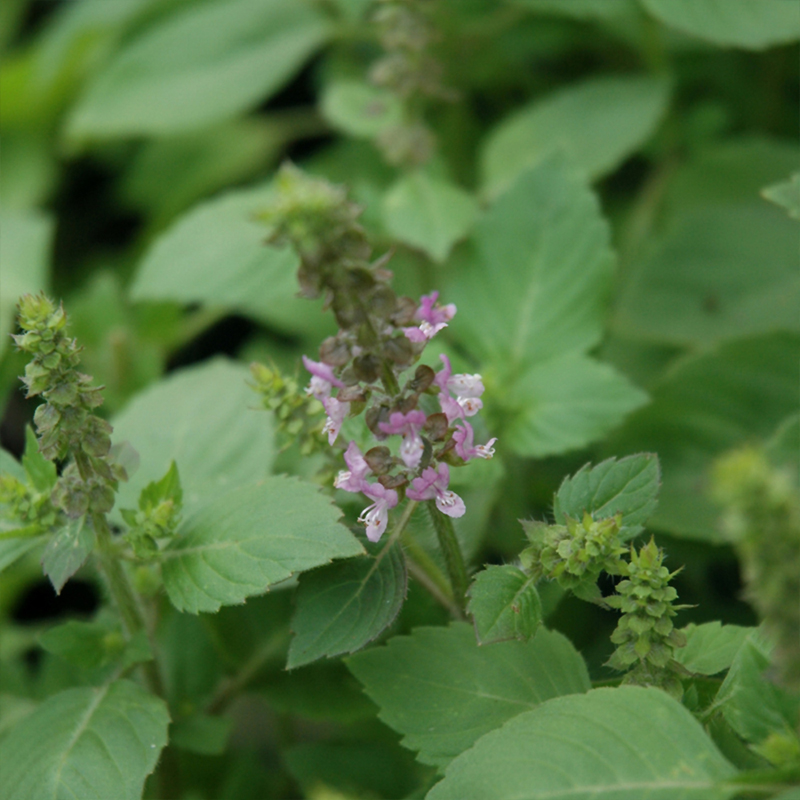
(13, 549)
(504, 605)
(204, 419)
(580, 9)
(443, 692)
(167, 488)
(752, 704)
(751, 24)
(94, 744)
(200, 733)
(705, 405)
(786, 195)
(66, 552)
(25, 256)
(711, 647)
(342, 607)
(565, 403)
(428, 213)
(609, 743)
(41, 472)
(628, 487)
(203, 64)
(596, 124)
(216, 255)
(359, 109)
(536, 284)
(242, 542)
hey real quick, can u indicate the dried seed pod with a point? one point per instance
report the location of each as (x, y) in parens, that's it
(334, 351)
(399, 350)
(380, 459)
(423, 378)
(436, 427)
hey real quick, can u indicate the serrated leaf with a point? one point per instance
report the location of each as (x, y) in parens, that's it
(66, 551)
(711, 647)
(536, 283)
(41, 472)
(751, 703)
(628, 487)
(215, 254)
(360, 109)
(443, 692)
(504, 605)
(704, 406)
(751, 24)
(204, 419)
(619, 743)
(565, 403)
(344, 606)
(428, 213)
(94, 744)
(786, 195)
(595, 124)
(202, 64)
(249, 538)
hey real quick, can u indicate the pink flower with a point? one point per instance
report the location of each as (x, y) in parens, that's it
(424, 332)
(352, 479)
(467, 388)
(336, 412)
(376, 516)
(464, 438)
(322, 379)
(409, 426)
(431, 312)
(432, 485)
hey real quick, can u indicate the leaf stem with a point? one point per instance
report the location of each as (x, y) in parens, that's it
(451, 550)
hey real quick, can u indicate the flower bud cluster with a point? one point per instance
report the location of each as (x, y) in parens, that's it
(645, 634)
(365, 369)
(25, 505)
(576, 553)
(410, 72)
(762, 518)
(65, 422)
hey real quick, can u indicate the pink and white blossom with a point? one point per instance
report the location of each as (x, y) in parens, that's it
(432, 485)
(352, 479)
(465, 448)
(424, 332)
(336, 412)
(376, 516)
(431, 312)
(322, 379)
(409, 425)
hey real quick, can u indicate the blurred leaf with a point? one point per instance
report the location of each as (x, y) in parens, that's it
(360, 109)
(89, 743)
(344, 606)
(203, 64)
(168, 174)
(786, 195)
(751, 703)
(783, 447)
(12, 549)
(40, 472)
(204, 419)
(428, 213)
(705, 405)
(609, 743)
(200, 733)
(216, 255)
(28, 169)
(628, 487)
(752, 24)
(25, 256)
(581, 9)
(66, 551)
(504, 605)
(710, 647)
(565, 403)
(243, 541)
(537, 282)
(443, 692)
(596, 124)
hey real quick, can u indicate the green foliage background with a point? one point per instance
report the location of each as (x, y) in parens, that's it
(606, 204)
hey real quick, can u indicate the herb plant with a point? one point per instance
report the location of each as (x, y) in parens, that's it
(420, 419)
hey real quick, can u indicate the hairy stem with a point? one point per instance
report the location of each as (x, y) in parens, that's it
(451, 550)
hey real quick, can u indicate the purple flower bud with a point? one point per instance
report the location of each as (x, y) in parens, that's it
(464, 438)
(352, 479)
(409, 426)
(336, 414)
(322, 379)
(431, 312)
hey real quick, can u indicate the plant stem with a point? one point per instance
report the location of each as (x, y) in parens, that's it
(451, 550)
(433, 588)
(124, 597)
